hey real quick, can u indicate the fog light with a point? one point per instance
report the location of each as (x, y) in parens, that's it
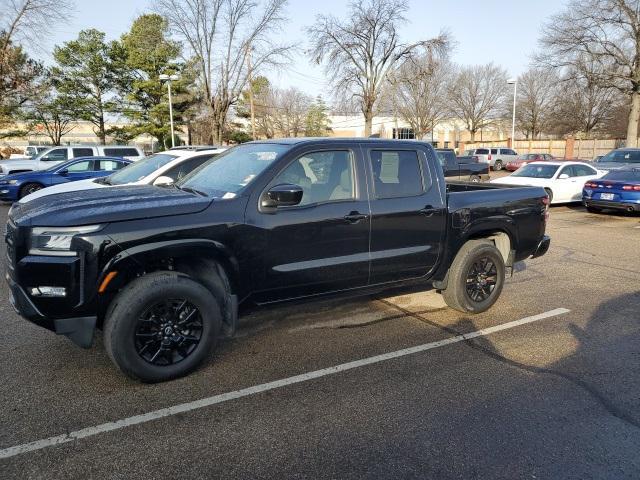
(48, 292)
(4, 191)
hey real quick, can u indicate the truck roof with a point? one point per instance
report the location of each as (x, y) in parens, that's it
(329, 140)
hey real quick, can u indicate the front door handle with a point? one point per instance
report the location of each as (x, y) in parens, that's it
(355, 217)
(428, 211)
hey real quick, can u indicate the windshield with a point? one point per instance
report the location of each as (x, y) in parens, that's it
(140, 169)
(233, 170)
(536, 171)
(621, 156)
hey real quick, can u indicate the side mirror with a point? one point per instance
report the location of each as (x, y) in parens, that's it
(283, 195)
(63, 172)
(564, 176)
(163, 181)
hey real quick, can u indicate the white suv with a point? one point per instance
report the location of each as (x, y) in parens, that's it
(157, 169)
(56, 155)
(496, 157)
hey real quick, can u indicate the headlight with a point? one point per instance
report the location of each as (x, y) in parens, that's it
(8, 182)
(56, 240)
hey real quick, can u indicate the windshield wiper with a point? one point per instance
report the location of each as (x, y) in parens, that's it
(192, 190)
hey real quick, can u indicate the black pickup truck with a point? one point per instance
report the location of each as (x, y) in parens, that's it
(164, 272)
(462, 168)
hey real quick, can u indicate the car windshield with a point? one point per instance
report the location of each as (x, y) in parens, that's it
(621, 156)
(632, 175)
(536, 171)
(233, 170)
(140, 169)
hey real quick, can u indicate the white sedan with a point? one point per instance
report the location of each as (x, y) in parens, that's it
(563, 181)
(159, 168)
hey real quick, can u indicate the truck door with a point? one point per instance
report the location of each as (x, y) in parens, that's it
(408, 213)
(322, 244)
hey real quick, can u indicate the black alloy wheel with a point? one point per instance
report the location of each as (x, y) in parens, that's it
(29, 188)
(481, 279)
(168, 332)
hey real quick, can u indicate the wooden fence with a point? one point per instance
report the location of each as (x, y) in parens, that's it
(569, 148)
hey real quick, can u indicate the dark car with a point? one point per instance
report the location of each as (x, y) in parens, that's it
(617, 190)
(164, 270)
(462, 168)
(17, 185)
(620, 158)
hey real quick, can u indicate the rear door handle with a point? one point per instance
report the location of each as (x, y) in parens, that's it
(355, 217)
(428, 211)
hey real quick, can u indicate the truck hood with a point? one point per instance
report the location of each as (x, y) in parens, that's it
(7, 165)
(106, 205)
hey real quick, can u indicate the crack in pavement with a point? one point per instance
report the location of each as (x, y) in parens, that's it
(602, 399)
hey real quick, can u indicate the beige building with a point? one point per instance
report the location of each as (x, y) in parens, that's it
(447, 134)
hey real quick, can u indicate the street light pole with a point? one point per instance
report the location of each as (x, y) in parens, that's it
(514, 82)
(169, 79)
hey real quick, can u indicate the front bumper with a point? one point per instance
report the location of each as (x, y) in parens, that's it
(79, 329)
(543, 247)
(9, 193)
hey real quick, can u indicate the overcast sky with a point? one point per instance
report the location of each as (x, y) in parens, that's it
(500, 31)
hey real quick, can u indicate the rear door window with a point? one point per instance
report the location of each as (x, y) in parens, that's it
(110, 165)
(482, 151)
(121, 152)
(396, 173)
(83, 152)
(494, 151)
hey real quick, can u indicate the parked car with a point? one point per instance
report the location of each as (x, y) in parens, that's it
(522, 160)
(160, 168)
(496, 157)
(620, 158)
(18, 185)
(57, 155)
(617, 190)
(563, 181)
(164, 271)
(467, 169)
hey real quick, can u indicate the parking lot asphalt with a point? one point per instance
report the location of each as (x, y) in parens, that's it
(554, 397)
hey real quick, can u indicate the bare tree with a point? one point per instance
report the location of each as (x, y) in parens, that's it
(361, 50)
(477, 96)
(290, 109)
(222, 34)
(535, 100)
(24, 21)
(582, 105)
(419, 89)
(604, 32)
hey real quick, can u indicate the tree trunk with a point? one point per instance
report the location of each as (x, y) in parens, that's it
(632, 124)
(473, 135)
(101, 131)
(368, 121)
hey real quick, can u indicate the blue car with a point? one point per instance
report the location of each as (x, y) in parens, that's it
(617, 190)
(15, 186)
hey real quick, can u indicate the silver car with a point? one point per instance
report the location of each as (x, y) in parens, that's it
(496, 157)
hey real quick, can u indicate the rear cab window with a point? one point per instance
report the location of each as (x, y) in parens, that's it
(83, 152)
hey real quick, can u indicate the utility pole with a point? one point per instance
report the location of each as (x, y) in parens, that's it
(251, 106)
(169, 79)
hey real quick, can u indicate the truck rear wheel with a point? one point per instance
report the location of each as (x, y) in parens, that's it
(476, 277)
(497, 166)
(161, 326)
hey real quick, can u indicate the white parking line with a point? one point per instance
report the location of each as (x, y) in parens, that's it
(245, 392)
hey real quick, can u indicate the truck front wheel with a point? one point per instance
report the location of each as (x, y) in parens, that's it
(476, 277)
(161, 326)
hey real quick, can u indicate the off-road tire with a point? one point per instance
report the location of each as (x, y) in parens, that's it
(549, 194)
(497, 166)
(456, 295)
(474, 179)
(127, 307)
